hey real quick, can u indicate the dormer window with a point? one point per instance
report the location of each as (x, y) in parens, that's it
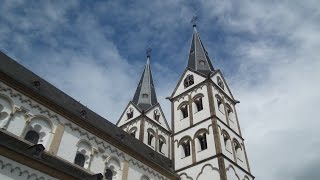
(144, 95)
(188, 81)
(202, 63)
(220, 83)
(130, 113)
(156, 114)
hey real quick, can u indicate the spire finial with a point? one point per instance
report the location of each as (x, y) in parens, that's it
(148, 52)
(194, 21)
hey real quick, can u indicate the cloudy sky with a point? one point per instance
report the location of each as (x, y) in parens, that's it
(267, 50)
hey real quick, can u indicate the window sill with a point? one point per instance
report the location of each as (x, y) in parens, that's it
(186, 157)
(202, 150)
(183, 119)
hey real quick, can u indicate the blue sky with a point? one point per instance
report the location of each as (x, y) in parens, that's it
(267, 50)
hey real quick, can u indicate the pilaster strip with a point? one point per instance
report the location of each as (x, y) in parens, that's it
(193, 149)
(225, 111)
(190, 109)
(141, 132)
(238, 124)
(216, 139)
(125, 170)
(56, 139)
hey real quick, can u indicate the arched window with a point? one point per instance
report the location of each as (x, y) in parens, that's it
(130, 113)
(108, 174)
(83, 154)
(220, 104)
(238, 149)
(202, 138)
(184, 111)
(188, 81)
(156, 114)
(160, 145)
(162, 141)
(133, 131)
(230, 112)
(79, 159)
(198, 103)
(150, 138)
(32, 136)
(186, 148)
(227, 141)
(220, 83)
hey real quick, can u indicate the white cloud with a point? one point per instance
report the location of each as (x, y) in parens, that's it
(276, 52)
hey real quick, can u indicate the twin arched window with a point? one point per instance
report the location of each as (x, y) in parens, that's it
(39, 131)
(83, 154)
(151, 137)
(156, 114)
(130, 113)
(220, 83)
(188, 81)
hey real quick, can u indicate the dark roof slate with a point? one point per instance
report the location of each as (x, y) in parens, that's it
(198, 56)
(145, 95)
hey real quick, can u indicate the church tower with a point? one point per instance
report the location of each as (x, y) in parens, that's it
(206, 140)
(143, 117)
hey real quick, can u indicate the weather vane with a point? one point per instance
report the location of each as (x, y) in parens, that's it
(148, 51)
(194, 20)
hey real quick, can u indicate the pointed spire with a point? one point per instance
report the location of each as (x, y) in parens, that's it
(198, 56)
(145, 95)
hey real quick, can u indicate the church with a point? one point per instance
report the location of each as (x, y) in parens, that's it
(47, 135)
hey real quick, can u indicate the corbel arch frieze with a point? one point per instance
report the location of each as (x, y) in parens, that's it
(20, 171)
(28, 101)
(103, 146)
(210, 166)
(231, 168)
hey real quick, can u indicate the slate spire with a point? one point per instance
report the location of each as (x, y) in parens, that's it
(198, 56)
(145, 95)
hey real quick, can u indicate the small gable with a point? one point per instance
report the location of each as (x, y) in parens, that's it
(157, 116)
(130, 113)
(188, 80)
(219, 80)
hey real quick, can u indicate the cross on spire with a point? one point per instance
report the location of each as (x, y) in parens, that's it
(194, 21)
(148, 51)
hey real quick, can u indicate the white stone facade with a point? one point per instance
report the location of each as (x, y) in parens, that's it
(21, 114)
